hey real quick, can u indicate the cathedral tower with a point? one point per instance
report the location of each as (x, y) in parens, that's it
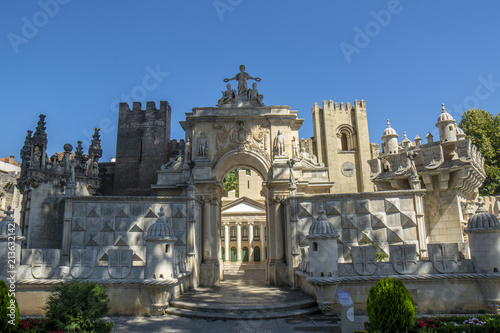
(341, 142)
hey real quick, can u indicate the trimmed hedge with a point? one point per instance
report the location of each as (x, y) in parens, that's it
(390, 307)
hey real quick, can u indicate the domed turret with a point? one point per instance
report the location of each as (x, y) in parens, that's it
(447, 126)
(323, 252)
(321, 227)
(460, 134)
(390, 138)
(160, 250)
(483, 219)
(484, 240)
(159, 229)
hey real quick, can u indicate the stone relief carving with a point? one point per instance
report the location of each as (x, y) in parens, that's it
(44, 262)
(119, 263)
(241, 136)
(433, 157)
(444, 257)
(400, 163)
(364, 259)
(403, 258)
(309, 159)
(82, 262)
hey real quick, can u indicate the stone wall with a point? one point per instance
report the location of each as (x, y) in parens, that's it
(141, 147)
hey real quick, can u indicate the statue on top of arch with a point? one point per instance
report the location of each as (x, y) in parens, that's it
(244, 96)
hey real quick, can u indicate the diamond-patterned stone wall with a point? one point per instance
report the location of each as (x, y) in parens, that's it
(105, 226)
(359, 221)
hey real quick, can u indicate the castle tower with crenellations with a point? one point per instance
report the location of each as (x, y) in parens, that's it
(341, 142)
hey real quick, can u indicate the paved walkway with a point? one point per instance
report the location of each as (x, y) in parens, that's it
(173, 324)
(247, 287)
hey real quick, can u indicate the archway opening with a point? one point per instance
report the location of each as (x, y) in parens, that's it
(243, 225)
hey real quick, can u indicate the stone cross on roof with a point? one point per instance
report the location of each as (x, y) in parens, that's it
(8, 212)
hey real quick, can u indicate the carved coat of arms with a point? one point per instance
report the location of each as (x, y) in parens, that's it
(119, 263)
(444, 257)
(403, 258)
(433, 157)
(82, 263)
(44, 262)
(364, 259)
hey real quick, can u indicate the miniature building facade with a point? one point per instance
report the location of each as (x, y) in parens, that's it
(316, 212)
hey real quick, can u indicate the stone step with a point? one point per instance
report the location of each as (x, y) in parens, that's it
(242, 315)
(212, 307)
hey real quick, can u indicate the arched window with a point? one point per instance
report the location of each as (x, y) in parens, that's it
(244, 233)
(346, 138)
(343, 142)
(256, 232)
(232, 232)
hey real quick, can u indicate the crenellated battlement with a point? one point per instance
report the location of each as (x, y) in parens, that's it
(335, 106)
(150, 106)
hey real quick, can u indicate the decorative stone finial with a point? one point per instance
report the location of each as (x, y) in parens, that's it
(480, 204)
(161, 213)
(321, 210)
(9, 212)
(443, 110)
(388, 124)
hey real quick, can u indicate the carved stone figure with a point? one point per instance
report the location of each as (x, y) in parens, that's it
(202, 145)
(95, 169)
(296, 148)
(304, 156)
(254, 96)
(187, 150)
(53, 161)
(279, 144)
(37, 157)
(227, 96)
(242, 78)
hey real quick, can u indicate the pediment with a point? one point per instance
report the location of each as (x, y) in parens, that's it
(243, 205)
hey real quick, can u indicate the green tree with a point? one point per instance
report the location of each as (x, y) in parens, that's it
(483, 129)
(231, 182)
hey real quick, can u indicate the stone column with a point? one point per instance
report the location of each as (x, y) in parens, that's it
(250, 242)
(238, 243)
(262, 242)
(191, 237)
(227, 236)
(206, 230)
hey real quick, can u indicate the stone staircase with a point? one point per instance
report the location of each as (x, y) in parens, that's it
(232, 267)
(243, 295)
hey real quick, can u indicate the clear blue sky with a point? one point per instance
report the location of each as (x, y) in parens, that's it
(74, 62)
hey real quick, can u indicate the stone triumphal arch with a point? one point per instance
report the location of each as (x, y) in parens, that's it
(242, 132)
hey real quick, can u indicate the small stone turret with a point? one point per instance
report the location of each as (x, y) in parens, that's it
(484, 240)
(390, 138)
(323, 252)
(447, 126)
(160, 249)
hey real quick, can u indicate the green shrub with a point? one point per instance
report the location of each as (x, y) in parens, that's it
(9, 313)
(79, 306)
(390, 307)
